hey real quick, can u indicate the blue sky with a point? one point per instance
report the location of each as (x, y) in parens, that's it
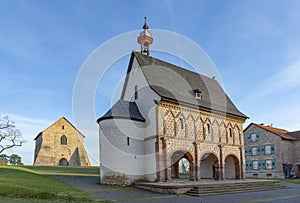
(255, 46)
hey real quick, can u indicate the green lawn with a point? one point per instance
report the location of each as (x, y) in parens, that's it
(293, 181)
(30, 184)
(60, 170)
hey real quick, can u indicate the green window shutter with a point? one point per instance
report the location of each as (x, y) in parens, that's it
(272, 149)
(257, 136)
(249, 137)
(263, 164)
(247, 165)
(249, 151)
(250, 165)
(258, 150)
(259, 164)
(262, 150)
(273, 164)
(246, 152)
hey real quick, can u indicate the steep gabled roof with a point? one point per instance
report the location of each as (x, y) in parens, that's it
(123, 110)
(278, 131)
(62, 118)
(178, 84)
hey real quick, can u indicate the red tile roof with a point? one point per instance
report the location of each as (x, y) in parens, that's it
(281, 132)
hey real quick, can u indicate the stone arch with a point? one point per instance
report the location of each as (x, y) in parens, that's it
(232, 167)
(178, 155)
(209, 166)
(63, 162)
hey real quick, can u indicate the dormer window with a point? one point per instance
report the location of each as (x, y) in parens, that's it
(197, 94)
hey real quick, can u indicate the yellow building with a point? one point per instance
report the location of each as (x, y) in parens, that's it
(61, 144)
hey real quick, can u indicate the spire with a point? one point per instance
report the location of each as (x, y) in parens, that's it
(145, 39)
(145, 27)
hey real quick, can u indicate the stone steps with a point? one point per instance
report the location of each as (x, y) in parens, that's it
(230, 188)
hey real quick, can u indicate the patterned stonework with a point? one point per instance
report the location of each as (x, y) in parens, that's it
(199, 134)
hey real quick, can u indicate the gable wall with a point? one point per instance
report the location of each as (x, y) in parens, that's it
(52, 151)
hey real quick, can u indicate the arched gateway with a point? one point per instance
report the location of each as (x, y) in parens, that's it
(232, 167)
(209, 166)
(177, 158)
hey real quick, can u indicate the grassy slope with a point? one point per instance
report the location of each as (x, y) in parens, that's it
(26, 185)
(59, 170)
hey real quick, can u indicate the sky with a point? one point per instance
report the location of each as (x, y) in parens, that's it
(254, 45)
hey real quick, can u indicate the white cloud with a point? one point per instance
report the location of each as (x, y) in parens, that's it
(282, 82)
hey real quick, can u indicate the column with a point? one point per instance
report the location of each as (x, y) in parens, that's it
(196, 167)
(221, 167)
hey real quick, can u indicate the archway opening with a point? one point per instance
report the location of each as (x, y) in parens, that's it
(182, 165)
(232, 168)
(63, 162)
(209, 167)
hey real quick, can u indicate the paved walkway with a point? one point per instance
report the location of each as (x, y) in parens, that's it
(131, 194)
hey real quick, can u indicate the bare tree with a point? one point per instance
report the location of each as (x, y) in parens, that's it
(10, 136)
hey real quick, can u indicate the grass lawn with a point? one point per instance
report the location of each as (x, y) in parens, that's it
(293, 181)
(59, 170)
(30, 184)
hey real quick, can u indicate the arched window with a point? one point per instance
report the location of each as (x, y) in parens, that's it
(181, 123)
(230, 132)
(63, 140)
(208, 128)
(136, 93)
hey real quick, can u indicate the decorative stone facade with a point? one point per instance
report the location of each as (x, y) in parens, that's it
(148, 131)
(271, 152)
(203, 135)
(61, 144)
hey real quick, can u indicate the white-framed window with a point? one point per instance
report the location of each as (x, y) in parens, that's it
(255, 165)
(254, 151)
(268, 164)
(253, 137)
(268, 149)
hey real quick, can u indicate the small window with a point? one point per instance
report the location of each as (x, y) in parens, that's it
(128, 141)
(136, 93)
(208, 129)
(63, 140)
(197, 94)
(269, 175)
(253, 137)
(254, 151)
(63, 127)
(181, 123)
(268, 149)
(230, 132)
(255, 165)
(255, 175)
(268, 164)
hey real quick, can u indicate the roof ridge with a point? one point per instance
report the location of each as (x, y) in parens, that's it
(177, 66)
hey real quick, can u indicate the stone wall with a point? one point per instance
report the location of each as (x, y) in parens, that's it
(51, 151)
(281, 149)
